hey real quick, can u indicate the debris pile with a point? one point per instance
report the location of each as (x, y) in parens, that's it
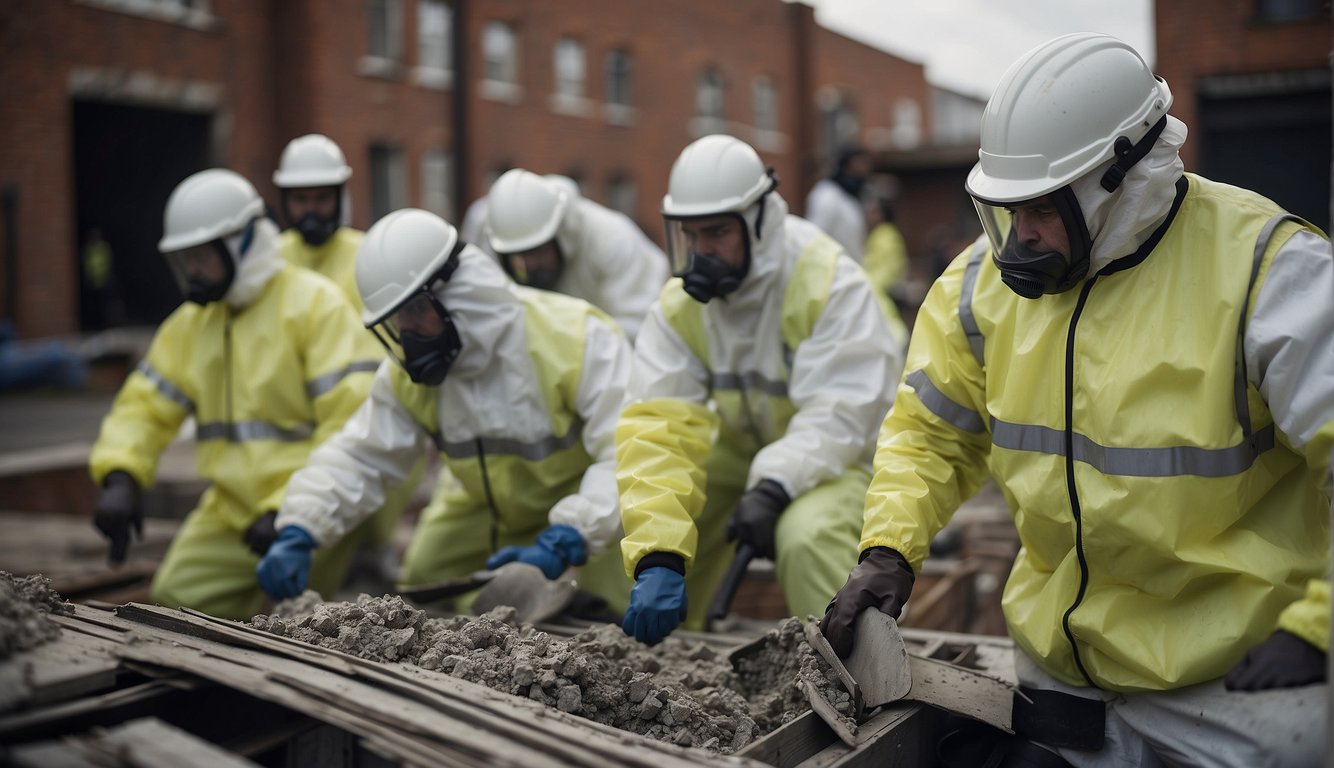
(25, 606)
(682, 692)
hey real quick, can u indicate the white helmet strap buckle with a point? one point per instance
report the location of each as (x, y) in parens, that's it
(1127, 154)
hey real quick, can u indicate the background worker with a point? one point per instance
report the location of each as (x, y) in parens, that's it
(548, 236)
(772, 322)
(836, 204)
(519, 389)
(1141, 357)
(312, 178)
(886, 259)
(264, 357)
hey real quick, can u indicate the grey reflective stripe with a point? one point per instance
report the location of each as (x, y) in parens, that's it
(326, 383)
(966, 318)
(1136, 462)
(941, 405)
(493, 446)
(247, 431)
(1240, 381)
(164, 387)
(749, 380)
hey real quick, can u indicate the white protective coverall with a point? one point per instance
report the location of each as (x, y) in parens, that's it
(839, 214)
(610, 263)
(803, 414)
(525, 420)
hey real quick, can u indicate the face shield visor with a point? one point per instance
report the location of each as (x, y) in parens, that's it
(711, 254)
(538, 267)
(205, 272)
(1040, 246)
(420, 333)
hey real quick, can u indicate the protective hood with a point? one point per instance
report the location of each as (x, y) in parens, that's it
(256, 267)
(482, 301)
(1119, 222)
(766, 250)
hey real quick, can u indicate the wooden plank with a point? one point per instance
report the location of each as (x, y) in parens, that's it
(792, 743)
(27, 725)
(68, 666)
(151, 743)
(471, 703)
(900, 734)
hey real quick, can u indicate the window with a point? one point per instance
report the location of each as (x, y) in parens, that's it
(435, 49)
(437, 184)
(568, 63)
(622, 195)
(618, 78)
(194, 14)
(765, 97)
(1277, 11)
(500, 52)
(709, 95)
(388, 183)
(386, 30)
(500, 63)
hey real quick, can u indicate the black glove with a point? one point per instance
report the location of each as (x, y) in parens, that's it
(756, 515)
(117, 510)
(882, 580)
(1283, 660)
(261, 533)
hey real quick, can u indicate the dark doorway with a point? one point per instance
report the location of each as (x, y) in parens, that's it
(1272, 136)
(127, 160)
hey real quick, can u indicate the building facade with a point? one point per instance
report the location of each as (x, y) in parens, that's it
(106, 104)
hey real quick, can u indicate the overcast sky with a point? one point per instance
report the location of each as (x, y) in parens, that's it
(967, 44)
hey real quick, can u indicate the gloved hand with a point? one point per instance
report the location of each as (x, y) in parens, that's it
(556, 548)
(261, 533)
(1283, 660)
(882, 580)
(117, 511)
(657, 605)
(756, 515)
(285, 568)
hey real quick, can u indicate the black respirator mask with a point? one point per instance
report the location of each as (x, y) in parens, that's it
(426, 359)
(1031, 273)
(315, 229)
(201, 291)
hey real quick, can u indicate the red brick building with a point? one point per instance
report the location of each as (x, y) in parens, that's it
(1251, 80)
(106, 104)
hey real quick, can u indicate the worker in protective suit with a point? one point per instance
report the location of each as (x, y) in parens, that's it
(836, 204)
(548, 236)
(264, 357)
(518, 389)
(312, 177)
(760, 376)
(1141, 357)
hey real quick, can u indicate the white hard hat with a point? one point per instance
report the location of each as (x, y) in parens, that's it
(716, 174)
(207, 206)
(524, 210)
(313, 160)
(1059, 112)
(400, 254)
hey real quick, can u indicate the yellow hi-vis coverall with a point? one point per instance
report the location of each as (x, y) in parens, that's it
(336, 259)
(524, 418)
(787, 378)
(1161, 432)
(266, 383)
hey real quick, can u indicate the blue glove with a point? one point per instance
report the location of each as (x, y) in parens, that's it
(657, 605)
(556, 548)
(284, 569)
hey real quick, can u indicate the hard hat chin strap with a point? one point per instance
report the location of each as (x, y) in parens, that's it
(1127, 154)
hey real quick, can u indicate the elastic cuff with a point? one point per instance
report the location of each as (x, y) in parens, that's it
(669, 560)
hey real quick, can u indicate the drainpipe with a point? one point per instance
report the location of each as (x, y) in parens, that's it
(803, 30)
(459, 112)
(9, 198)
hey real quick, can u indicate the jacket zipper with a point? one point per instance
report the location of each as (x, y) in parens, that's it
(1070, 476)
(490, 500)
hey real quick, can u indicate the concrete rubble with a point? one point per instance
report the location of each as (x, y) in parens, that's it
(681, 692)
(25, 607)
